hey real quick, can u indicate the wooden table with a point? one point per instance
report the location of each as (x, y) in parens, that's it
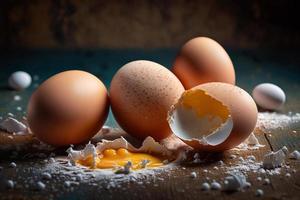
(252, 67)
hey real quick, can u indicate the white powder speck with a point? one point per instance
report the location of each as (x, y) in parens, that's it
(17, 98)
(251, 157)
(216, 186)
(241, 159)
(40, 185)
(46, 176)
(193, 175)
(13, 165)
(10, 184)
(295, 155)
(220, 162)
(67, 184)
(205, 186)
(259, 193)
(19, 108)
(266, 181)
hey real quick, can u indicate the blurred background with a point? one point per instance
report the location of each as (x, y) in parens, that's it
(148, 23)
(44, 37)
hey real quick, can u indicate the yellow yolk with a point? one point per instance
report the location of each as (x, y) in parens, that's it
(204, 105)
(111, 158)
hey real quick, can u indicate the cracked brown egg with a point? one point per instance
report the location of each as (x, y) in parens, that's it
(213, 116)
(202, 60)
(141, 95)
(68, 108)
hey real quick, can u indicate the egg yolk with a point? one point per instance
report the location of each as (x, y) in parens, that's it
(111, 158)
(204, 104)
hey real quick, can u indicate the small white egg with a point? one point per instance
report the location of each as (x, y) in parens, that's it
(268, 96)
(19, 80)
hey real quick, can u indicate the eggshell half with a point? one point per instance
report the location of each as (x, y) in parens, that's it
(68, 108)
(202, 60)
(240, 122)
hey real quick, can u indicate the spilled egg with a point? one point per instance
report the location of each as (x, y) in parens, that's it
(213, 116)
(118, 153)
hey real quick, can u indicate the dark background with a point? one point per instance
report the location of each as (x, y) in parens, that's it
(147, 24)
(44, 37)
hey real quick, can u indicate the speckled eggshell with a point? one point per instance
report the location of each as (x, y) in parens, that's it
(242, 109)
(141, 94)
(68, 108)
(202, 60)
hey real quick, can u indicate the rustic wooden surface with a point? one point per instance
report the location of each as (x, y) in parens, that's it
(252, 68)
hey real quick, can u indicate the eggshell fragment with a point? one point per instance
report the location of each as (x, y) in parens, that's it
(141, 94)
(275, 159)
(19, 80)
(203, 60)
(295, 155)
(268, 96)
(149, 145)
(213, 116)
(235, 182)
(68, 108)
(11, 125)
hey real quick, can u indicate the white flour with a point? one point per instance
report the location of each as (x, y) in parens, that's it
(79, 174)
(245, 166)
(270, 121)
(74, 175)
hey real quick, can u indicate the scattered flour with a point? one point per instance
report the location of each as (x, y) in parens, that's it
(243, 167)
(270, 121)
(251, 143)
(82, 174)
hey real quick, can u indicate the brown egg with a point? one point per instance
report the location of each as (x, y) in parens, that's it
(203, 60)
(68, 108)
(219, 116)
(141, 94)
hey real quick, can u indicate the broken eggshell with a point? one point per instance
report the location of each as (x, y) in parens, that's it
(213, 116)
(149, 145)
